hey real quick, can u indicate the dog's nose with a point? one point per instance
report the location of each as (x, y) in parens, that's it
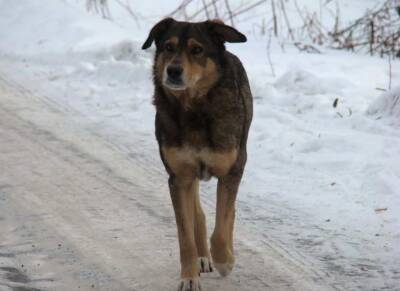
(174, 72)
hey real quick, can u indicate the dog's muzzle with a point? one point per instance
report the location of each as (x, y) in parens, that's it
(173, 77)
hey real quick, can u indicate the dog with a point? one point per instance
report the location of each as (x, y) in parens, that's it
(204, 110)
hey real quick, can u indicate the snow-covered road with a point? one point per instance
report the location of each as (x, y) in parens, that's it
(79, 212)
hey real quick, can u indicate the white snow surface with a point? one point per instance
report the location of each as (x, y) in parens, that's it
(387, 106)
(322, 182)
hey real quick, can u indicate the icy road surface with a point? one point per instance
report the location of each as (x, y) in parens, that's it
(78, 212)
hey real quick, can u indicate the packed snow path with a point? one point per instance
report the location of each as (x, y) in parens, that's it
(77, 212)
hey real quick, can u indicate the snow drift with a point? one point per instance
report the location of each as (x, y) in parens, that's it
(387, 105)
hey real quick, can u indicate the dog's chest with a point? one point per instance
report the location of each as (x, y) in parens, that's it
(195, 129)
(195, 145)
(203, 163)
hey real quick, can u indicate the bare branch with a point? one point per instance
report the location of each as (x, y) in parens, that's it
(269, 55)
(228, 7)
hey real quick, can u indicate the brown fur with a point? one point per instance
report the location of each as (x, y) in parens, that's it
(202, 131)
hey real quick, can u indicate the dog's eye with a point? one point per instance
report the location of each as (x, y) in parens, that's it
(196, 50)
(169, 47)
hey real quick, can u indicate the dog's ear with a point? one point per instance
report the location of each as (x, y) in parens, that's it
(225, 33)
(157, 31)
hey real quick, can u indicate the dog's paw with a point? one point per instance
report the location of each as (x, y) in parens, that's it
(224, 269)
(190, 284)
(205, 265)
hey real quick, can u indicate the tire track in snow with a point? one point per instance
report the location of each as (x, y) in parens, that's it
(101, 190)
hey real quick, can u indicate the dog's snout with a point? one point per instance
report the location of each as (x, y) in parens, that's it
(173, 77)
(174, 72)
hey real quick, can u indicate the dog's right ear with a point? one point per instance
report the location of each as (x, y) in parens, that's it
(157, 31)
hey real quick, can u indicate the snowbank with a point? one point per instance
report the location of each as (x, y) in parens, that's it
(387, 105)
(302, 81)
(60, 28)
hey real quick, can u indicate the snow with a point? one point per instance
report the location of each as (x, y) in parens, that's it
(322, 184)
(387, 106)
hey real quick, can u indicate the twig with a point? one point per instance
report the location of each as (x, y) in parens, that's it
(105, 9)
(274, 18)
(299, 11)
(269, 55)
(100, 6)
(396, 100)
(376, 32)
(390, 72)
(214, 2)
(287, 20)
(372, 40)
(198, 12)
(307, 48)
(248, 8)
(129, 9)
(320, 11)
(180, 7)
(230, 12)
(205, 9)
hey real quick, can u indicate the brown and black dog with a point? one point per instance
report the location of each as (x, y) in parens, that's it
(204, 110)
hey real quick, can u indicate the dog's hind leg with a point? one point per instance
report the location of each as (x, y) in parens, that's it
(200, 230)
(222, 238)
(182, 190)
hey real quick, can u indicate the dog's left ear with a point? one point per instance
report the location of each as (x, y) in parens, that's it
(157, 31)
(225, 32)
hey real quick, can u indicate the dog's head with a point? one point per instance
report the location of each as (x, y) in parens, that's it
(188, 55)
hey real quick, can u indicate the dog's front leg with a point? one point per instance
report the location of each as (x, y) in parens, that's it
(183, 191)
(222, 237)
(200, 230)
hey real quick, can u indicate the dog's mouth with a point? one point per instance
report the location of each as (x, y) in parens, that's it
(173, 84)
